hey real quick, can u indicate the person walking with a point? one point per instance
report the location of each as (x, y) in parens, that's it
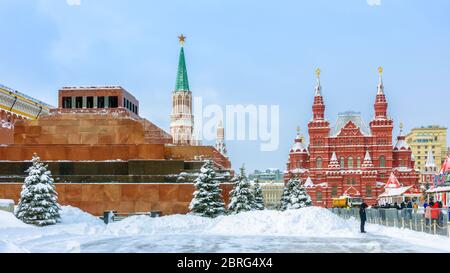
(409, 209)
(403, 209)
(435, 211)
(440, 214)
(428, 213)
(363, 216)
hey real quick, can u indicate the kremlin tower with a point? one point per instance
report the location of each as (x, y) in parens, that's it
(182, 119)
(220, 140)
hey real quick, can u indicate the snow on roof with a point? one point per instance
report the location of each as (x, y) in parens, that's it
(308, 183)
(299, 146)
(395, 192)
(446, 166)
(392, 182)
(351, 191)
(402, 169)
(439, 189)
(367, 160)
(430, 160)
(346, 117)
(299, 170)
(401, 144)
(334, 162)
(334, 157)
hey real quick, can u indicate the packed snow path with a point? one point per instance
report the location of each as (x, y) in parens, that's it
(304, 230)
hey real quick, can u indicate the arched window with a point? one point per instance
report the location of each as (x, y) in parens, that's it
(382, 161)
(358, 162)
(319, 196)
(319, 162)
(334, 191)
(350, 162)
(342, 162)
(368, 191)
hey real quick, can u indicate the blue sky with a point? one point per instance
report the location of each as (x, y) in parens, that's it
(238, 52)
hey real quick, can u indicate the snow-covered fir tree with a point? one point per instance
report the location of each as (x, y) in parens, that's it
(207, 200)
(299, 198)
(38, 204)
(258, 200)
(241, 197)
(286, 196)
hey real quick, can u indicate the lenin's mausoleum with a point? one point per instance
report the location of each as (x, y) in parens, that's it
(102, 154)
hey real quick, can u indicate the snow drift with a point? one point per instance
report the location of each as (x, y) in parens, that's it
(7, 247)
(8, 220)
(311, 221)
(307, 229)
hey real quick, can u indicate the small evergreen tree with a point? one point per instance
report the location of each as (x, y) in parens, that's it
(299, 198)
(286, 197)
(38, 204)
(207, 200)
(242, 195)
(258, 201)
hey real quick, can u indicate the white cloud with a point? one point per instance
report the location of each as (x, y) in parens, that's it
(374, 2)
(73, 2)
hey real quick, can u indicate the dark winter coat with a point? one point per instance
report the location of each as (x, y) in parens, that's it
(362, 212)
(402, 205)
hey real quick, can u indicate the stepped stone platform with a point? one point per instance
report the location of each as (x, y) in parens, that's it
(169, 198)
(132, 171)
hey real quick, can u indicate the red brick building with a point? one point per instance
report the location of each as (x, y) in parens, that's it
(350, 158)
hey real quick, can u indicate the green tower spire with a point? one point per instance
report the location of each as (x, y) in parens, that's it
(182, 83)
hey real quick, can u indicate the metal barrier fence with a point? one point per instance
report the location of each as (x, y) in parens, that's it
(433, 221)
(114, 216)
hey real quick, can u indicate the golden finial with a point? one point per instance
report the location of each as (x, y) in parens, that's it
(182, 38)
(380, 70)
(318, 72)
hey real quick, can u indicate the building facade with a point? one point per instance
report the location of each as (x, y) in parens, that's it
(272, 192)
(97, 98)
(429, 172)
(220, 139)
(269, 175)
(15, 106)
(422, 139)
(350, 158)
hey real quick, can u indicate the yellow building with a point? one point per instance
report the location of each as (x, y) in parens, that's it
(272, 192)
(13, 101)
(423, 139)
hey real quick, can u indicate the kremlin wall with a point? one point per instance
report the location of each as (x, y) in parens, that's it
(103, 155)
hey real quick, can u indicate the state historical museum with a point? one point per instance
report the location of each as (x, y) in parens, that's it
(350, 158)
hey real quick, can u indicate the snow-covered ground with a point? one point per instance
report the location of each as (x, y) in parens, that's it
(305, 230)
